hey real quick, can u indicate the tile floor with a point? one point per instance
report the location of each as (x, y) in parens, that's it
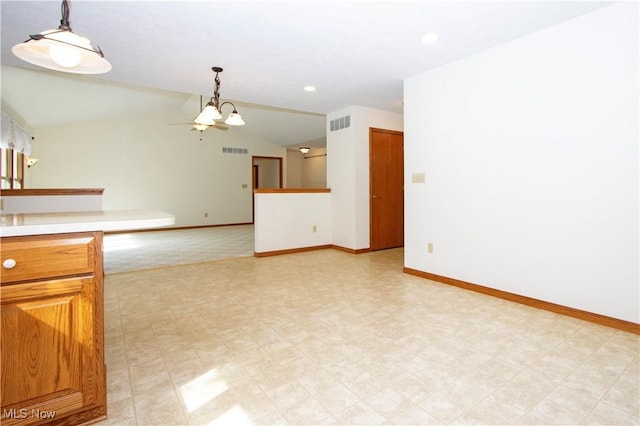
(328, 337)
(133, 251)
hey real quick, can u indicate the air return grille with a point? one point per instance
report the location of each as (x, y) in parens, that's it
(340, 123)
(226, 150)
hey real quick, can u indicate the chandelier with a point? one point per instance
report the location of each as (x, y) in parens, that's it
(62, 50)
(212, 111)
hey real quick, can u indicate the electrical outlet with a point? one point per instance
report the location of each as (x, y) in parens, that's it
(206, 214)
(430, 248)
(418, 178)
(315, 228)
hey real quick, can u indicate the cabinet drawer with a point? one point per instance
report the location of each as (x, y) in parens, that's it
(47, 256)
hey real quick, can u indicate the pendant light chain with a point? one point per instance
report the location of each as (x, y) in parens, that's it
(216, 91)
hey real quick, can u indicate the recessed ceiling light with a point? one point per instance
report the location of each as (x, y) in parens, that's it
(309, 89)
(429, 38)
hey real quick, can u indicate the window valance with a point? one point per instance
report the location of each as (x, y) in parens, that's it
(14, 137)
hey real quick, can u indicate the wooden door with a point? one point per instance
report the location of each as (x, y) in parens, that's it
(48, 346)
(386, 151)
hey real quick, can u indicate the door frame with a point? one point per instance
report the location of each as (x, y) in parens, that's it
(254, 179)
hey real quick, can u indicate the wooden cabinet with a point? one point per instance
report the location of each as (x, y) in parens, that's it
(52, 345)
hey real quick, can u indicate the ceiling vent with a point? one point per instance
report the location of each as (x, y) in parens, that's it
(340, 123)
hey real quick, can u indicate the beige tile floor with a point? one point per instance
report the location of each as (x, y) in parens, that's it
(328, 337)
(134, 251)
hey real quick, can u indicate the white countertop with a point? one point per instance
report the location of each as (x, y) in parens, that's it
(18, 224)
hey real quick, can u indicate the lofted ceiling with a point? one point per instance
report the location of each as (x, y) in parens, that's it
(46, 98)
(353, 52)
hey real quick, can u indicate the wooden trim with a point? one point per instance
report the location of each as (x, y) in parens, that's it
(176, 228)
(290, 190)
(289, 251)
(350, 250)
(51, 191)
(619, 324)
(391, 132)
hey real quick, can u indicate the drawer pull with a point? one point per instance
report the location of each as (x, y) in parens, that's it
(9, 264)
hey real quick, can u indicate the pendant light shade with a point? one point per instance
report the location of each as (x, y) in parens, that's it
(234, 119)
(208, 116)
(62, 50)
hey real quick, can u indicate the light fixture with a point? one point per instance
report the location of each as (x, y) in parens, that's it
(304, 149)
(31, 161)
(62, 50)
(200, 127)
(212, 111)
(309, 88)
(429, 38)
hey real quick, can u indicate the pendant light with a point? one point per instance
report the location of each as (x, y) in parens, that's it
(62, 50)
(212, 111)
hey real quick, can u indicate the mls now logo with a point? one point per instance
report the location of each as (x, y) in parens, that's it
(14, 413)
(23, 413)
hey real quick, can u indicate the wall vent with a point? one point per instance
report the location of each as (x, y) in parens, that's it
(340, 123)
(226, 150)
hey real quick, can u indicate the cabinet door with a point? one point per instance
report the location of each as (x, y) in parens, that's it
(47, 346)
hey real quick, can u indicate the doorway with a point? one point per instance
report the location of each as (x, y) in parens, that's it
(386, 177)
(266, 172)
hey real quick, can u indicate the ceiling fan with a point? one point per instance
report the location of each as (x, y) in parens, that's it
(202, 127)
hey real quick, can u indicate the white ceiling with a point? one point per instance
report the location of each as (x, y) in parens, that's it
(354, 52)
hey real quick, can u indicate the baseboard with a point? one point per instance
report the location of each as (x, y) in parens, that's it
(289, 251)
(619, 324)
(301, 249)
(350, 250)
(177, 228)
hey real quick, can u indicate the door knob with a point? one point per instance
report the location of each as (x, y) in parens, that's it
(9, 264)
(375, 196)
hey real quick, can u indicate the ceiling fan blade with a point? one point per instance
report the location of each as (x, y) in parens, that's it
(215, 126)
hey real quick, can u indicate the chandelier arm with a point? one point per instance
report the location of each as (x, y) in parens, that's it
(37, 37)
(228, 102)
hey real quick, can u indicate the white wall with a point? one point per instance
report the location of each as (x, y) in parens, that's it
(314, 168)
(286, 221)
(269, 172)
(294, 168)
(50, 203)
(142, 163)
(348, 172)
(530, 152)
(307, 170)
